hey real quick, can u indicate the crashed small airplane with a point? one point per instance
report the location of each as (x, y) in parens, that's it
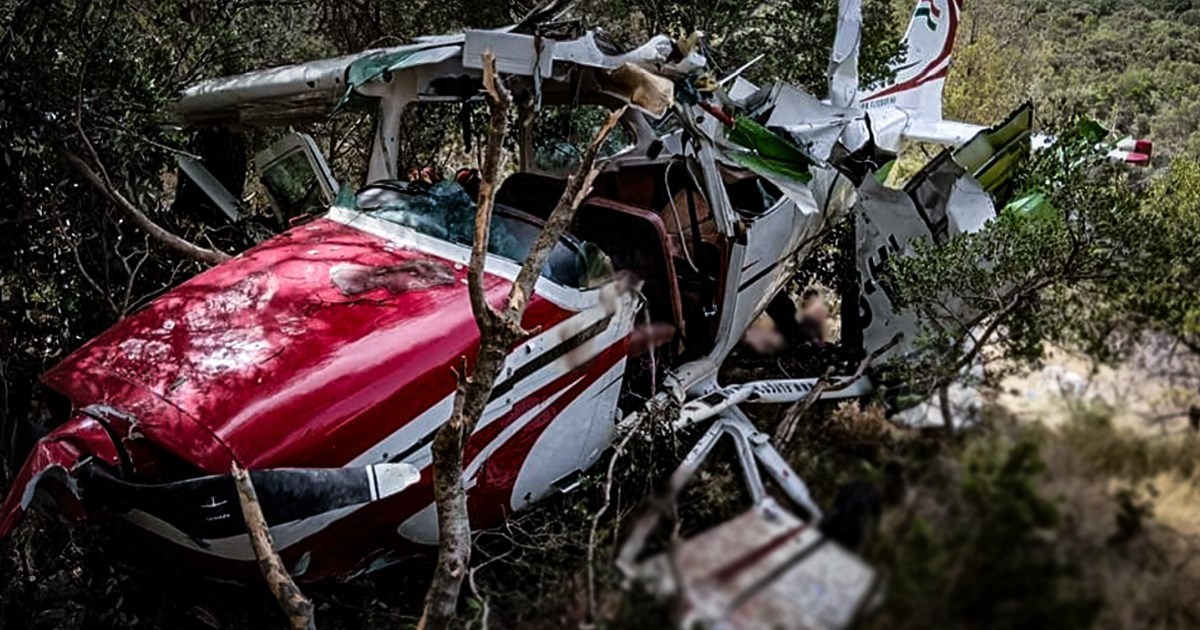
(322, 359)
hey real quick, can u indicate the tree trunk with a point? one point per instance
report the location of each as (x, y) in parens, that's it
(499, 330)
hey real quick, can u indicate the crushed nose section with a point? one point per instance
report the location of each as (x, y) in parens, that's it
(50, 471)
(74, 471)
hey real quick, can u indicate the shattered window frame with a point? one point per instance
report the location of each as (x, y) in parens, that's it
(449, 216)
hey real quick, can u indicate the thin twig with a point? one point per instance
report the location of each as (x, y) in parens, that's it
(608, 483)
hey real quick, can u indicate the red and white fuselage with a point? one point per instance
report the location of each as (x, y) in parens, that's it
(267, 362)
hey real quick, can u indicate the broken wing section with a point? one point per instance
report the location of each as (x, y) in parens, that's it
(952, 195)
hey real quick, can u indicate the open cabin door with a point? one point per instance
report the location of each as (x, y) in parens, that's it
(296, 176)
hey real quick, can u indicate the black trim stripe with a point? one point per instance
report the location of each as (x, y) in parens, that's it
(782, 259)
(549, 356)
(520, 374)
(759, 276)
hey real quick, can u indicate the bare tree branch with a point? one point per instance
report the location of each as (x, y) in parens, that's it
(498, 331)
(295, 605)
(139, 218)
(791, 418)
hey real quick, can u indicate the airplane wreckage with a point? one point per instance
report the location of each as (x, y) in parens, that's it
(322, 359)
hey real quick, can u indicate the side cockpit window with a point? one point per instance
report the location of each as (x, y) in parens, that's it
(296, 176)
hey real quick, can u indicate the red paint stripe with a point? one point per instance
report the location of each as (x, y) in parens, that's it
(491, 498)
(486, 434)
(732, 570)
(948, 45)
(923, 77)
(941, 74)
(592, 370)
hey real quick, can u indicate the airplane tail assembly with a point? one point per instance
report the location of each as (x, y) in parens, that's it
(921, 72)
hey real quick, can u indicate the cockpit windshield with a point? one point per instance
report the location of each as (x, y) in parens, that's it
(445, 211)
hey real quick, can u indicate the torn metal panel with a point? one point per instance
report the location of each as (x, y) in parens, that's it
(843, 60)
(943, 200)
(976, 155)
(516, 53)
(930, 192)
(815, 125)
(763, 569)
(50, 469)
(969, 207)
(887, 224)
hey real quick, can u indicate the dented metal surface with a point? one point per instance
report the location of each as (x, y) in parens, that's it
(416, 275)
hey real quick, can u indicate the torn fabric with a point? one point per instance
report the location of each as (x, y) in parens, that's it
(643, 89)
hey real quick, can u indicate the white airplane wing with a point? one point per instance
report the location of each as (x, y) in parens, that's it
(945, 132)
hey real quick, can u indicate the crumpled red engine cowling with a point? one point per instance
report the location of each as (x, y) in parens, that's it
(146, 438)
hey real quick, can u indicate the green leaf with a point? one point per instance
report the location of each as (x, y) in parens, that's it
(881, 176)
(1091, 130)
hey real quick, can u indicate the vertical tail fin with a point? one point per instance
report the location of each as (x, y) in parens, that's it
(921, 74)
(843, 60)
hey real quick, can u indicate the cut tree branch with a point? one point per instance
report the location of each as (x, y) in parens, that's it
(295, 605)
(499, 330)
